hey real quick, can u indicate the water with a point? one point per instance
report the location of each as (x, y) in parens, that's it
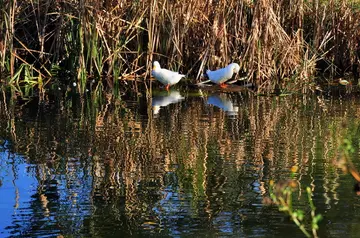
(178, 164)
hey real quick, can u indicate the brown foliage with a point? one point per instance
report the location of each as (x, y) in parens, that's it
(270, 39)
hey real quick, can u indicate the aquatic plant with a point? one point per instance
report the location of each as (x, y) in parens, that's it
(346, 151)
(281, 194)
(275, 42)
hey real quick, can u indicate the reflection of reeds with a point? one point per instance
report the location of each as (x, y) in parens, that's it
(124, 147)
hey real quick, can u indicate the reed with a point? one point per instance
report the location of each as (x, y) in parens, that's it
(277, 43)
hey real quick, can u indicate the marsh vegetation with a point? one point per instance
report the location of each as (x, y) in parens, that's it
(80, 118)
(277, 43)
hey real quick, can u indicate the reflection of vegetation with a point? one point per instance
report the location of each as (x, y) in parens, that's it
(138, 170)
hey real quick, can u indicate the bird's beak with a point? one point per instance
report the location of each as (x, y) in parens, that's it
(154, 67)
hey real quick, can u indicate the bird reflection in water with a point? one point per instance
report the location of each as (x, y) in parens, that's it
(164, 100)
(223, 102)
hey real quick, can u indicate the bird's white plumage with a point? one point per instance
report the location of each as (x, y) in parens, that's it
(165, 76)
(224, 74)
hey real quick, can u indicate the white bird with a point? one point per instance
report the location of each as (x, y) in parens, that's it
(166, 77)
(222, 75)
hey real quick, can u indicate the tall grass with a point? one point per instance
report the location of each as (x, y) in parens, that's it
(276, 42)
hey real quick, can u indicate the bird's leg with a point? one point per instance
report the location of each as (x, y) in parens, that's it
(223, 85)
(167, 87)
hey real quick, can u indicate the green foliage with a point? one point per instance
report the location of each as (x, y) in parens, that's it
(346, 147)
(282, 196)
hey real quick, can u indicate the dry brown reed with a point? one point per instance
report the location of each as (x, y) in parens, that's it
(276, 42)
